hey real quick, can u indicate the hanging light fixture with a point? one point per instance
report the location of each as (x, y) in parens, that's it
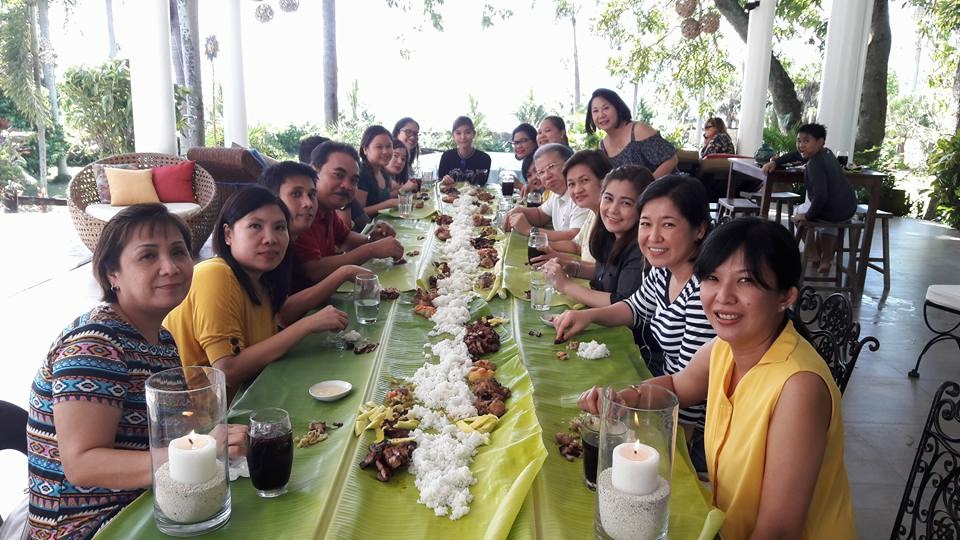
(289, 6)
(264, 13)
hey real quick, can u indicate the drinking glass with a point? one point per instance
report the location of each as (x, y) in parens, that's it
(634, 471)
(590, 437)
(270, 451)
(366, 298)
(541, 291)
(536, 244)
(406, 204)
(534, 199)
(843, 157)
(506, 186)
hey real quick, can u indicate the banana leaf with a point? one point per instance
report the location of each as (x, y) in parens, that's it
(415, 236)
(560, 505)
(329, 495)
(429, 208)
(517, 269)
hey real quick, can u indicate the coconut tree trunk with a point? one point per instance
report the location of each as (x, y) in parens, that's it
(873, 98)
(41, 127)
(111, 33)
(189, 38)
(50, 79)
(781, 87)
(576, 64)
(329, 62)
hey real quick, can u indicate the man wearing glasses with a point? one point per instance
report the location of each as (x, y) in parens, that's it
(566, 216)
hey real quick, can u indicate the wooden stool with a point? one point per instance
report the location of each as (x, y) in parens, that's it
(848, 243)
(744, 207)
(945, 298)
(786, 198)
(880, 264)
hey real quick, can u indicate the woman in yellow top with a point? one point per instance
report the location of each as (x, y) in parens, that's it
(229, 318)
(774, 433)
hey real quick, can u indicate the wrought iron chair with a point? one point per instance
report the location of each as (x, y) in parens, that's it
(930, 507)
(945, 298)
(833, 332)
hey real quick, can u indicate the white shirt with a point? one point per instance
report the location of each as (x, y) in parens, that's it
(583, 238)
(564, 213)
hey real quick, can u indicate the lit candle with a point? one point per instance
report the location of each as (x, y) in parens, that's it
(635, 468)
(193, 458)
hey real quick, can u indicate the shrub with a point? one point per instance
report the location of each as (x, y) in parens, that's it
(97, 104)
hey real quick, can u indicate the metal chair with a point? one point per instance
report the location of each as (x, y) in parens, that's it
(930, 507)
(833, 332)
(944, 298)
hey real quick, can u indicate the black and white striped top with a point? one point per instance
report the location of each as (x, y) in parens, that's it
(680, 327)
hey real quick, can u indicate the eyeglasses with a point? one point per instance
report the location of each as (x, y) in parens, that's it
(519, 141)
(410, 132)
(708, 126)
(546, 170)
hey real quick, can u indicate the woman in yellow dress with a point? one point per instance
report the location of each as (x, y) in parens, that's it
(774, 432)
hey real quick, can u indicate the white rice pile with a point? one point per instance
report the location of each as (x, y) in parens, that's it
(593, 350)
(441, 465)
(441, 461)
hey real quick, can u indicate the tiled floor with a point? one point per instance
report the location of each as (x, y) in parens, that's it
(884, 411)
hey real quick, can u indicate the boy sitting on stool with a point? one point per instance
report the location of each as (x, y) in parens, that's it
(830, 197)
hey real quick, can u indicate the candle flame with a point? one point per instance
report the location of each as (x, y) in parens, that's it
(636, 447)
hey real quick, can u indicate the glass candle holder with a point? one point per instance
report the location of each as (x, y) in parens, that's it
(634, 470)
(187, 409)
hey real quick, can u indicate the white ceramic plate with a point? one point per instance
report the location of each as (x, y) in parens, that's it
(330, 390)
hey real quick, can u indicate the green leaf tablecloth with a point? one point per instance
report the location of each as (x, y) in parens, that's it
(525, 488)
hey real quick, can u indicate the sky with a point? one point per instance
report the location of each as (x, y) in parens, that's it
(499, 66)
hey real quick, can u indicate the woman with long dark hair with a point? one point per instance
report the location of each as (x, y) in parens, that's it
(617, 270)
(552, 130)
(464, 161)
(375, 190)
(407, 131)
(716, 140)
(228, 319)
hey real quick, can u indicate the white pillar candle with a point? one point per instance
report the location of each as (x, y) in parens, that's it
(635, 468)
(193, 458)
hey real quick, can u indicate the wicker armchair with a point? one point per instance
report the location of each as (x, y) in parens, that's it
(83, 191)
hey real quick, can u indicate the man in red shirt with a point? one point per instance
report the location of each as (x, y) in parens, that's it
(315, 250)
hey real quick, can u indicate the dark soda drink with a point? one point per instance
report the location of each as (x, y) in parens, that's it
(533, 204)
(590, 454)
(533, 252)
(270, 459)
(507, 188)
(842, 159)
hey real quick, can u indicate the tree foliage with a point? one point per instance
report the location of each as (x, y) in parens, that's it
(530, 111)
(98, 106)
(17, 63)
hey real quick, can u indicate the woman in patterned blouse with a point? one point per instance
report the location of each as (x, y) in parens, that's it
(715, 138)
(87, 431)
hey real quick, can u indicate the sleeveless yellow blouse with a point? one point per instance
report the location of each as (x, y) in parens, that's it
(736, 439)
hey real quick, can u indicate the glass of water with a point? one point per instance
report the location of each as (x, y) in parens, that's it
(366, 298)
(405, 208)
(541, 291)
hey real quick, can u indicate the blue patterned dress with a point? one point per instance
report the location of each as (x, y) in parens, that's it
(101, 359)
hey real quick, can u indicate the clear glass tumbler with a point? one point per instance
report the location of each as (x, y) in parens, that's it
(270, 451)
(366, 298)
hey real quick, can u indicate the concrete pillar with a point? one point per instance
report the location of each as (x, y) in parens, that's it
(151, 81)
(756, 74)
(848, 32)
(234, 93)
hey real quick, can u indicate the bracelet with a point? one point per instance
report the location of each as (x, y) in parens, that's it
(576, 273)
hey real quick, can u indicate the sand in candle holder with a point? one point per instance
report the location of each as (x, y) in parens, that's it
(632, 517)
(189, 503)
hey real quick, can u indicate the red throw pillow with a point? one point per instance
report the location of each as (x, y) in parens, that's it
(174, 183)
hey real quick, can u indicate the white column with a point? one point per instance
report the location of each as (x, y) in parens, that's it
(234, 94)
(756, 74)
(151, 81)
(848, 31)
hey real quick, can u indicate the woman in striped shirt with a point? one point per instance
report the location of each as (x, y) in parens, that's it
(674, 218)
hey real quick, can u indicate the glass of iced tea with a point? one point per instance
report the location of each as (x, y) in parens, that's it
(270, 451)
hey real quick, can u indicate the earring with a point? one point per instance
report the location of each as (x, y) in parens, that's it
(114, 288)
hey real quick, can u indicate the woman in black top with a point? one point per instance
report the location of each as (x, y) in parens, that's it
(374, 191)
(464, 163)
(618, 271)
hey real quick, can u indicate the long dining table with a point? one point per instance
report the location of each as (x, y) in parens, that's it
(524, 487)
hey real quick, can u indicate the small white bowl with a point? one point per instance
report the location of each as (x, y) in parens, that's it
(548, 319)
(330, 390)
